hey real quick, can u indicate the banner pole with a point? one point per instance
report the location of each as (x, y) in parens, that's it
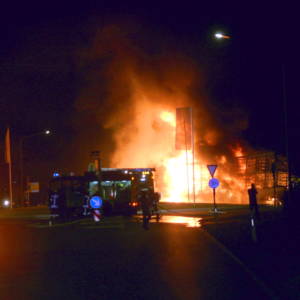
(10, 186)
(193, 154)
(8, 160)
(187, 162)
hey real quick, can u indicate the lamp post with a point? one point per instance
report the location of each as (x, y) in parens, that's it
(22, 139)
(286, 128)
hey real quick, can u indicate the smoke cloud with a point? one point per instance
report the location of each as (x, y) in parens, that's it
(131, 90)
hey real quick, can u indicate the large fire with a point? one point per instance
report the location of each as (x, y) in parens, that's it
(139, 97)
(148, 140)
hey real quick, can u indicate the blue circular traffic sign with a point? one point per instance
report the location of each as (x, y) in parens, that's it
(96, 202)
(214, 183)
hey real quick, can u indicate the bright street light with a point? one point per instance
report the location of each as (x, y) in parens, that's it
(220, 35)
(6, 203)
(47, 132)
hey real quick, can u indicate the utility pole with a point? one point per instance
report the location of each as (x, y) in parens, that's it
(8, 160)
(285, 109)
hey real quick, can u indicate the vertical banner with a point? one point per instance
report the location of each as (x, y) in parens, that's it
(8, 161)
(183, 139)
(7, 147)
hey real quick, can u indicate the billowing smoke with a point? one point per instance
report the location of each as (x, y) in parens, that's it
(132, 89)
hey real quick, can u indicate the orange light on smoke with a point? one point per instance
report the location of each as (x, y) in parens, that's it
(223, 160)
(238, 151)
(168, 117)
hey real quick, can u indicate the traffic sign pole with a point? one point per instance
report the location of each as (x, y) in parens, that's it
(213, 183)
(96, 203)
(214, 196)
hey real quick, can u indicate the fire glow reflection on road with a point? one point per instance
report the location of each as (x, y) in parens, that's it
(187, 221)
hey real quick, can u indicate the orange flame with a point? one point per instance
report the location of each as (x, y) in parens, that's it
(168, 117)
(144, 93)
(152, 145)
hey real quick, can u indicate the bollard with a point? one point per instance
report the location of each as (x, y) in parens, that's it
(253, 230)
(96, 215)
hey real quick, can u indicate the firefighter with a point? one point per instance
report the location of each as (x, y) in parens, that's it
(146, 206)
(252, 192)
(155, 198)
(86, 202)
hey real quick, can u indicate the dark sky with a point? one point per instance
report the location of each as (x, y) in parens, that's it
(40, 79)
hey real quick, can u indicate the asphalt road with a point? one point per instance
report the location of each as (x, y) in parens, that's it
(116, 259)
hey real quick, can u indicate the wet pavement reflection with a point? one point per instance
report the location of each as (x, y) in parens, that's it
(187, 221)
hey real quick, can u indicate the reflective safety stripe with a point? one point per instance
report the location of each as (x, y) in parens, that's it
(96, 215)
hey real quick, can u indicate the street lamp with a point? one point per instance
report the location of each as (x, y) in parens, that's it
(220, 35)
(22, 139)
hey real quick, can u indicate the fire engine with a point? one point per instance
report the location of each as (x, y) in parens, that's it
(119, 188)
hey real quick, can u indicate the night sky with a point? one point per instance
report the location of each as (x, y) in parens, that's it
(41, 75)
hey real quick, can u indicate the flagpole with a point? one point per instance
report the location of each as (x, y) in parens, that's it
(8, 160)
(187, 162)
(193, 154)
(10, 185)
